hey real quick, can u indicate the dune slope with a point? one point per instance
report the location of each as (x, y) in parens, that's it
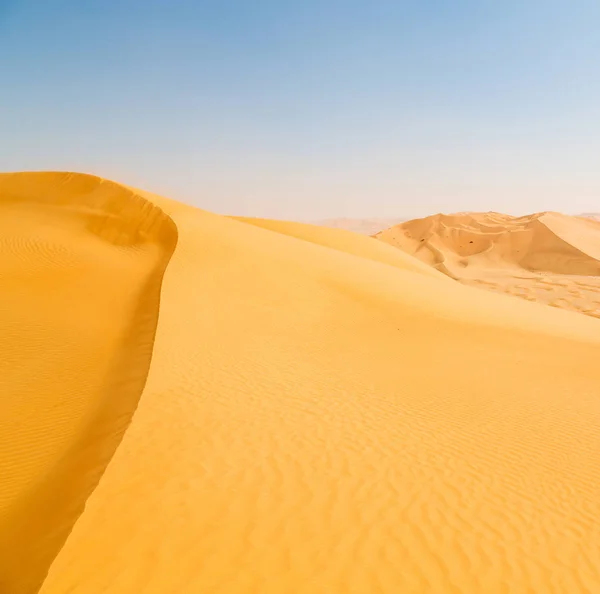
(320, 419)
(348, 242)
(363, 226)
(81, 261)
(547, 257)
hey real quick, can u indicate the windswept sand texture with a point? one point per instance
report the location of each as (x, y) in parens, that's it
(323, 414)
(81, 262)
(548, 257)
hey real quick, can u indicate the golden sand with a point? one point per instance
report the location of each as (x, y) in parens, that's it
(322, 413)
(81, 261)
(363, 226)
(548, 257)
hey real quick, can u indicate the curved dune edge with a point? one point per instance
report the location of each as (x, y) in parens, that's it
(547, 257)
(81, 266)
(345, 241)
(318, 421)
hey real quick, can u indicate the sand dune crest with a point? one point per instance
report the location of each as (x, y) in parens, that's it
(81, 263)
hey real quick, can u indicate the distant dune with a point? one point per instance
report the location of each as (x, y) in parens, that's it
(546, 257)
(363, 226)
(371, 226)
(304, 411)
(591, 215)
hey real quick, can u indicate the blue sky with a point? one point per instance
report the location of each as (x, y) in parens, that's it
(313, 109)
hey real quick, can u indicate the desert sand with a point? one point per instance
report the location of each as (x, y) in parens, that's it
(591, 215)
(368, 226)
(322, 412)
(547, 257)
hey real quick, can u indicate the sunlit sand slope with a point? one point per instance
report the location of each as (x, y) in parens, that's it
(316, 421)
(547, 257)
(347, 241)
(591, 215)
(81, 262)
(364, 226)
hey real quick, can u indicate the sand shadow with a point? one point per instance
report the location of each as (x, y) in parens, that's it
(82, 261)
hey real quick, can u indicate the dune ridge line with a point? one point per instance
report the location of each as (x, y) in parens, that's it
(85, 258)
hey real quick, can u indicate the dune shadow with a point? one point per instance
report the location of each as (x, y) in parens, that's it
(82, 262)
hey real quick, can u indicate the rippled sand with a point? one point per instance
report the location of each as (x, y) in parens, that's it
(323, 413)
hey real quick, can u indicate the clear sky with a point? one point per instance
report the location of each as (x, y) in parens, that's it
(313, 108)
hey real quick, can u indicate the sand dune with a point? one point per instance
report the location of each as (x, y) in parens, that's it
(81, 262)
(547, 257)
(321, 415)
(347, 242)
(591, 215)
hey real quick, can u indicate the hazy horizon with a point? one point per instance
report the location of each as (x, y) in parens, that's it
(313, 110)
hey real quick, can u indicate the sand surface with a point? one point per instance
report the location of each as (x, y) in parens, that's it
(81, 261)
(548, 257)
(363, 226)
(322, 413)
(591, 215)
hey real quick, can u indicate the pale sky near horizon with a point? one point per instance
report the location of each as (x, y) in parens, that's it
(314, 109)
